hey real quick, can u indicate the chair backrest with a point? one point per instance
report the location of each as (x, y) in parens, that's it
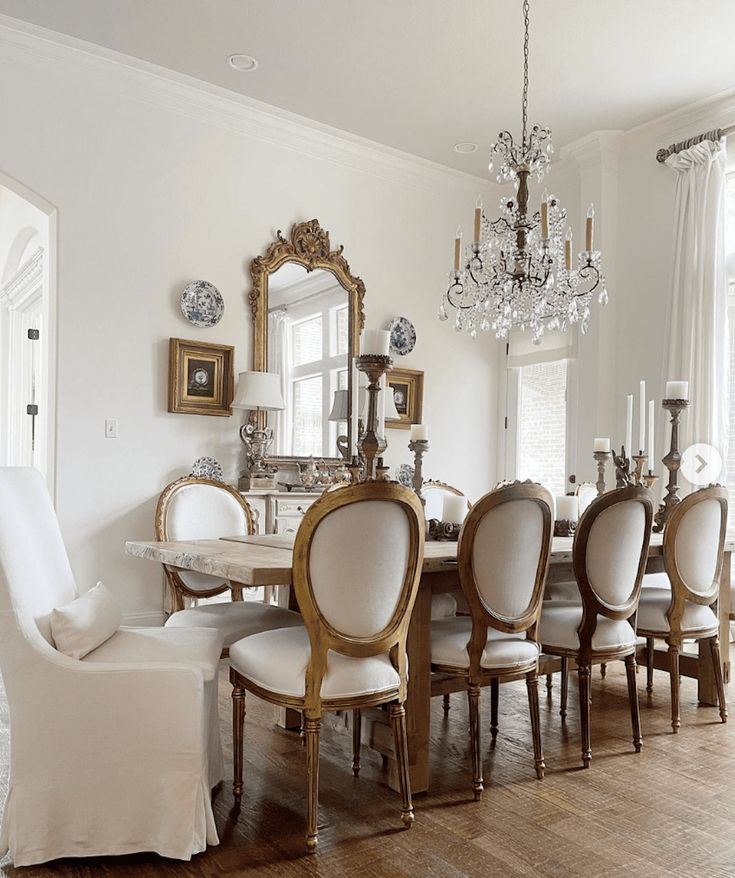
(434, 493)
(194, 508)
(503, 557)
(694, 542)
(35, 574)
(357, 562)
(610, 553)
(586, 493)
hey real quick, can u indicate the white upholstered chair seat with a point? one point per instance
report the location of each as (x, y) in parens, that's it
(235, 620)
(276, 661)
(443, 606)
(197, 646)
(563, 591)
(561, 619)
(449, 639)
(656, 601)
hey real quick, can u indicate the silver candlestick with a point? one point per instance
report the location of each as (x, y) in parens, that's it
(419, 447)
(371, 443)
(602, 458)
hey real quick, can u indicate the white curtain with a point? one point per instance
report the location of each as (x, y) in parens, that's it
(698, 331)
(280, 361)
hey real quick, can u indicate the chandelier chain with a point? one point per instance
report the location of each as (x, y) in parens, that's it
(526, 16)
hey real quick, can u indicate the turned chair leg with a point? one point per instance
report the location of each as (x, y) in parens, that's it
(549, 683)
(564, 686)
(398, 721)
(311, 727)
(494, 697)
(584, 713)
(674, 681)
(714, 645)
(473, 696)
(356, 736)
(635, 714)
(650, 651)
(603, 670)
(445, 703)
(538, 753)
(238, 723)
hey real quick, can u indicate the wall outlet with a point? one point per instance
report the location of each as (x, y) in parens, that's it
(110, 428)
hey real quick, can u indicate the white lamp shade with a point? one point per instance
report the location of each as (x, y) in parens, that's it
(339, 412)
(258, 390)
(391, 412)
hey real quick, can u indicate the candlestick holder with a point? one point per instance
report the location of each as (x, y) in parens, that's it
(650, 479)
(602, 458)
(640, 460)
(419, 447)
(371, 443)
(672, 462)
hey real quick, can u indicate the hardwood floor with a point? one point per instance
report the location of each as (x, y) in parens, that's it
(665, 811)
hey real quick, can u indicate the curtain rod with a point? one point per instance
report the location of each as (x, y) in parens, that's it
(716, 134)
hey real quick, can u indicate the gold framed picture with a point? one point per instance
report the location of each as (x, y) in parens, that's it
(408, 393)
(200, 377)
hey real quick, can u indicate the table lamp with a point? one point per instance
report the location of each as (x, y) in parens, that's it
(256, 392)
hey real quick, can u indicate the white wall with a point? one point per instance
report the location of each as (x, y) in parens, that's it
(156, 186)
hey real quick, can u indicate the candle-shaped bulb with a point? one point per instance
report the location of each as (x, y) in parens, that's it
(568, 250)
(589, 228)
(458, 248)
(545, 215)
(478, 203)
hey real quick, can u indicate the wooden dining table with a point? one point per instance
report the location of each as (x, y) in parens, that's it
(267, 560)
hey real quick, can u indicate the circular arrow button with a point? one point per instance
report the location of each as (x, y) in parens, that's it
(701, 464)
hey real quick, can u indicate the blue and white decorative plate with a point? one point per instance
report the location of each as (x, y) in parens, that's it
(404, 475)
(207, 468)
(402, 336)
(202, 303)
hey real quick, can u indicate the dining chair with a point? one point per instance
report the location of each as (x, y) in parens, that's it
(682, 602)
(194, 508)
(117, 751)
(609, 558)
(503, 558)
(356, 567)
(586, 494)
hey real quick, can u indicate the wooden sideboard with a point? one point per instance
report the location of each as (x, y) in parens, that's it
(279, 512)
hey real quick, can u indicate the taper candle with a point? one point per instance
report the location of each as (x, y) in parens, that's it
(651, 443)
(478, 217)
(629, 424)
(590, 225)
(568, 250)
(458, 249)
(545, 215)
(642, 418)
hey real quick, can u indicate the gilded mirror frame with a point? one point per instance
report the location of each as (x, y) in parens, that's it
(309, 247)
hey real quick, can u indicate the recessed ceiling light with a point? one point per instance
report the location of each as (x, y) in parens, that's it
(243, 63)
(465, 147)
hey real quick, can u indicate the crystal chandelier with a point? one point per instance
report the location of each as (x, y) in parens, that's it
(519, 271)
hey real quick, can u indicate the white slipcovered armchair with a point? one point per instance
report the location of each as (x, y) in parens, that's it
(112, 754)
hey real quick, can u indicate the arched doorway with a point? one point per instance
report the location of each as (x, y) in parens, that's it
(27, 329)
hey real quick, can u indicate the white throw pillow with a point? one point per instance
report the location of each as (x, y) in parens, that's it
(85, 623)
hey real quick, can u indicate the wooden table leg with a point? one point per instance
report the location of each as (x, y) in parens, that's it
(418, 702)
(707, 689)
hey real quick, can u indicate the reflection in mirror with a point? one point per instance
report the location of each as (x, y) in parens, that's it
(308, 331)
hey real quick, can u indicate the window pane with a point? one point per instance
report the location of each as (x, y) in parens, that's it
(342, 379)
(307, 416)
(307, 341)
(543, 425)
(342, 319)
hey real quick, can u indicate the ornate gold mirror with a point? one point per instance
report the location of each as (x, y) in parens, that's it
(308, 314)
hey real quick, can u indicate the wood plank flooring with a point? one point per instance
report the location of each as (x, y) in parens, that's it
(667, 811)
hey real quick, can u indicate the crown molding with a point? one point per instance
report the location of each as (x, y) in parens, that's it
(171, 91)
(599, 149)
(24, 281)
(715, 111)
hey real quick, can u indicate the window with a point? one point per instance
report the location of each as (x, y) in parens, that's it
(307, 419)
(730, 250)
(542, 424)
(307, 340)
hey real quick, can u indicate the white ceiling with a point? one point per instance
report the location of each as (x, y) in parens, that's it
(420, 75)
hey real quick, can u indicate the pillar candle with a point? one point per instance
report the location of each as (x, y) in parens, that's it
(454, 508)
(478, 218)
(589, 229)
(567, 508)
(642, 421)
(629, 424)
(602, 445)
(375, 341)
(458, 249)
(677, 390)
(651, 443)
(568, 250)
(419, 433)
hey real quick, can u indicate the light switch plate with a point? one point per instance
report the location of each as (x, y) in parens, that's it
(110, 428)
